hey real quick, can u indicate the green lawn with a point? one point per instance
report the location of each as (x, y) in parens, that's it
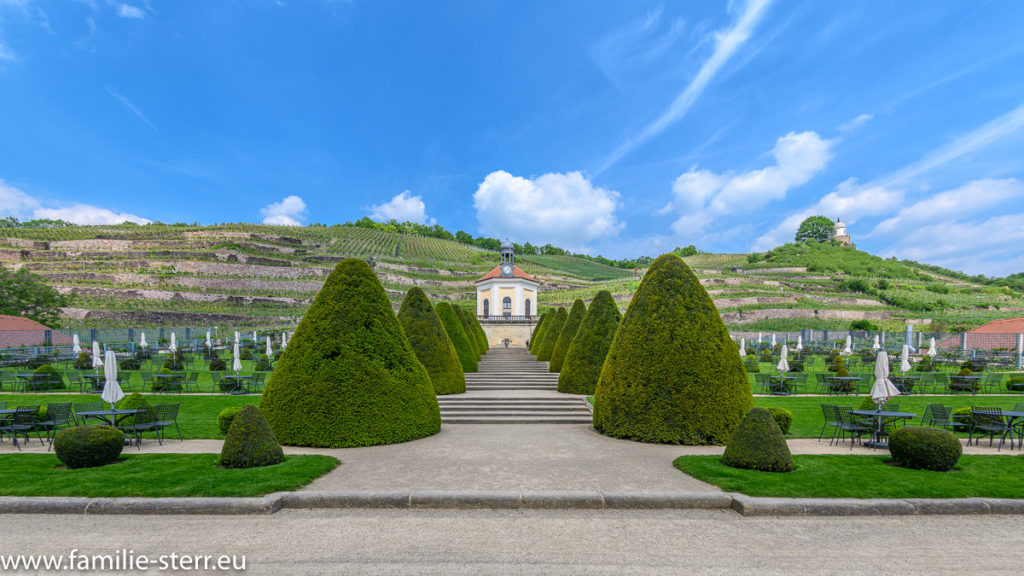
(831, 476)
(155, 475)
(197, 416)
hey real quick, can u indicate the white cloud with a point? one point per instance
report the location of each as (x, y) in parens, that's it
(288, 212)
(128, 11)
(6, 53)
(990, 246)
(970, 199)
(635, 44)
(727, 43)
(702, 195)
(563, 209)
(130, 106)
(856, 122)
(14, 202)
(403, 207)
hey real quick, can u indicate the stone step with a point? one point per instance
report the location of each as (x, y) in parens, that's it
(518, 408)
(537, 419)
(568, 400)
(482, 387)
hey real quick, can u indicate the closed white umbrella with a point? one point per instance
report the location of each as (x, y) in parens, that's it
(883, 388)
(111, 389)
(254, 336)
(876, 346)
(905, 359)
(848, 349)
(799, 342)
(931, 348)
(784, 363)
(96, 362)
(76, 346)
(773, 340)
(237, 337)
(236, 365)
(174, 344)
(142, 341)
(270, 351)
(209, 341)
(758, 338)
(743, 347)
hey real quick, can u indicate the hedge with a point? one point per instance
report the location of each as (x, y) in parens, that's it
(547, 345)
(250, 442)
(464, 349)
(88, 446)
(925, 448)
(672, 374)
(431, 344)
(349, 376)
(538, 333)
(758, 444)
(470, 329)
(565, 338)
(583, 361)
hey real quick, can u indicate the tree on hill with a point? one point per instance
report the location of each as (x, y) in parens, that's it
(465, 349)
(431, 344)
(349, 376)
(547, 345)
(817, 228)
(24, 294)
(572, 324)
(672, 374)
(583, 361)
(538, 332)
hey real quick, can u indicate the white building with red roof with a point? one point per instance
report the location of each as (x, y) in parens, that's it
(506, 291)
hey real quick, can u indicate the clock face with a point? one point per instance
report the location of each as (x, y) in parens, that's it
(506, 269)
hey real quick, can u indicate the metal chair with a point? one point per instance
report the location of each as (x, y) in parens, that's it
(936, 415)
(830, 420)
(192, 382)
(850, 423)
(166, 415)
(86, 407)
(147, 380)
(22, 422)
(140, 423)
(992, 382)
(57, 416)
(763, 382)
(989, 422)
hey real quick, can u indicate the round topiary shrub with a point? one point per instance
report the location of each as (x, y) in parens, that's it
(161, 384)
(130, 363)
(226, 417)
(133, 401)
(583, 361)
(547, 345)
(565, 338)
(349, 376)
(46, 377)
(672, 374)
(783, 418)
(758, 444)
(218, 364)
(430, 342)
(464, 349)
(174, 362)
(1015, 384)
(250, 442)
(925, 448)
(960, 419)
(88, 446)
(538, 333)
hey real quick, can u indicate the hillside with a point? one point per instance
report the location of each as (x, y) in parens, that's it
(250, 275)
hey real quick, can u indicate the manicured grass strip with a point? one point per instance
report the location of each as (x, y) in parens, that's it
(197, 415)
(830, 476)
(155, 475)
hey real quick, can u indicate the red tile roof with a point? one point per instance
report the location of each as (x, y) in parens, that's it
(516, 273)
(16, 331)
(1007, 326)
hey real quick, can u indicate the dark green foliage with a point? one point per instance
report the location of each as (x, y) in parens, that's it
(263, 364)
(349, 376)
(863, 325)
(565, 338)
(162, 384)
(925, 365)
(174, 362)
(133, 401)
(431, 344)
(1015, 384)
(250, 442)
(24, 294)
(46, 377)
(547, 345)
(245, 353)
(479, 329)
(783, 417)
(226, 417)
(83, 361)
(758, 444)
(672, 374)
(464, 349)
(583, 362)
(130, 363)
(88, 446)
(538, 334)
(218, 364)
(751, 364)
(816, 228)
(469, 327)
(925, 448)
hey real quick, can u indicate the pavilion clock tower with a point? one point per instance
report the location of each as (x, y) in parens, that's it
(506, 291)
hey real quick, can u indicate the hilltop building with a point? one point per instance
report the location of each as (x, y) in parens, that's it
(840, 235)
(506, 291)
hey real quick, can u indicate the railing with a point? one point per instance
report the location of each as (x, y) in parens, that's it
(508, 319)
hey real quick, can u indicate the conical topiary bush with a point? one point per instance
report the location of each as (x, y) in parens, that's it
(431, 344)
(467, 325)
(583, 361)
(538, 332)
(671, 374)
(349, 376)
(480, 330)
(547, 346)
(463, 347)
(250, 442)
(565, 338)
(758, 444)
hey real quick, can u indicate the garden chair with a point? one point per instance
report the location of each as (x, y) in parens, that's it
(147, 380)
(763, 382)
(988, 422)
(849, 423)
(140, 423)
(58, 416)
(75, 381)
(941, 383)
(255, 385)
(87, 407)
(22, 422)
(8, 381)
(192, 382)
(936, 415)
(992, 382)
(830, 420)
(166, 415)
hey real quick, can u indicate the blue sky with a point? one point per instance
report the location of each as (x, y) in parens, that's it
(621, 128)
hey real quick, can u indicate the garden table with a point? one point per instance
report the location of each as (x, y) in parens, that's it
(778, 384)
(881, 418)
(168, 381)
(837, 384)
(238, 382)
(962, 383)
(94, 381)
(109, 417)
(905, 383)
(1011, 421)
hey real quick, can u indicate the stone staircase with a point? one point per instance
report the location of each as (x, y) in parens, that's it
(512, 387)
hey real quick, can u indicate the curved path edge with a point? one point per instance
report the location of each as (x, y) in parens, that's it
(513, 499)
